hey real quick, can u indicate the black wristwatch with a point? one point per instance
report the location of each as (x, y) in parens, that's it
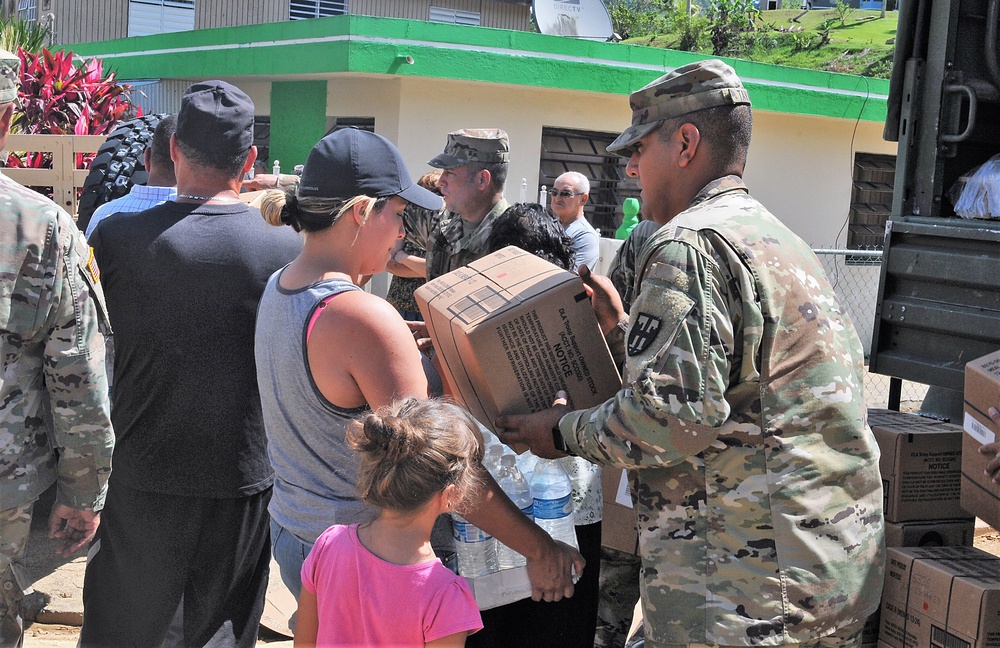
(557, 439)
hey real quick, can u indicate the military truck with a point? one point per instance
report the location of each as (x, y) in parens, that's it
(939, 291)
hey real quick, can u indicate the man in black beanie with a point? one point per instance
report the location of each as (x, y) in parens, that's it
(182, 556)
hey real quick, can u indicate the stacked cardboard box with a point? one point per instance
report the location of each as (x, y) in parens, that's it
(920, 465)
(940, 596)
(921, 474)
(980, 496)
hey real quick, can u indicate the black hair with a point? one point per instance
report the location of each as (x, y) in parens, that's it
(498, 173)
(726, 128)
(159, 149)
(534, 229)
(228, 164)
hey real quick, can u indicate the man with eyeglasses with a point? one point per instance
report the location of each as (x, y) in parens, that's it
(474, 171)
(570, 193)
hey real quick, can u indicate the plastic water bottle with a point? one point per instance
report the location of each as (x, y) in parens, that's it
(550, 488)
(476, 549)
(516, 488)
(491, 459)
(526, 462)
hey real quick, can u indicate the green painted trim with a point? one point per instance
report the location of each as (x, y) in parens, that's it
(298, 120)
(364, 44)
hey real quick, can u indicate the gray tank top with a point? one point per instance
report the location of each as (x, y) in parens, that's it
(315, 472)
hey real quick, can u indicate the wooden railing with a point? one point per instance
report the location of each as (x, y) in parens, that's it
(63, 177)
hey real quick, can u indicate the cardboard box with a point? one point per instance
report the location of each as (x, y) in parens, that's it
(930, 533)
(500, 588)
(920, 465)
(511, 330)
(980, 496)
(619, 528)
(940, 596)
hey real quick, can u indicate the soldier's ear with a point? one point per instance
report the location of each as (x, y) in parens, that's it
(689, 138)
(483, 179)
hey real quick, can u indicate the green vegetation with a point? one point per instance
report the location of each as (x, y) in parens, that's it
(840, 39)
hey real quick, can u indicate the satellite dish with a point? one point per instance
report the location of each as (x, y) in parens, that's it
(587, 19)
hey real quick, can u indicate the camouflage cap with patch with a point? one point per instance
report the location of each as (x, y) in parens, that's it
(487, 145)
(695, 86)
(10, 80)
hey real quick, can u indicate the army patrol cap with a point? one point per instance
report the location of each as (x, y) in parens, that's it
(487, 145)
(10, 80)
(691, 87)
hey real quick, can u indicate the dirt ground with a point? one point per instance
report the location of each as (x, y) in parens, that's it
(55, 608)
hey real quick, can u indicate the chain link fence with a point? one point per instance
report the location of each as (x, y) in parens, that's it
(854, 274)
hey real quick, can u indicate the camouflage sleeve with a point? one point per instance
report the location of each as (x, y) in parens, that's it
(75, 376)
(677, 369)
(419, 223)
(622, 269)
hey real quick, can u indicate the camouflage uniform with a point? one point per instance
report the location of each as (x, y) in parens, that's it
(743, 426)
(447, 245)
(54, 413)
(449, 248)
(622, 270)
(741, 419)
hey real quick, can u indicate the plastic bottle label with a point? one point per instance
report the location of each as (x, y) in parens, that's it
(465, 532)
(529, 510)
(551, 509)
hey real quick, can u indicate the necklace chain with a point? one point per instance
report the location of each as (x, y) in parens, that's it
(193, 197)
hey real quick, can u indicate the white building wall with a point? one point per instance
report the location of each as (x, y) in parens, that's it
(800, 167)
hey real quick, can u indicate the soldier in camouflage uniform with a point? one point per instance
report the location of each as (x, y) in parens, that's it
(474, 170)
(741, 418)
(55, 424)
(619, 570)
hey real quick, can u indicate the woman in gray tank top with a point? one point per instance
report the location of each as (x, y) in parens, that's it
(327, 351)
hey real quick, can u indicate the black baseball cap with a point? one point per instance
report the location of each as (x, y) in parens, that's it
(216, 115)
(351, 162)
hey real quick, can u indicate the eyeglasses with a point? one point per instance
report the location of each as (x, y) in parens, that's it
(566, 193)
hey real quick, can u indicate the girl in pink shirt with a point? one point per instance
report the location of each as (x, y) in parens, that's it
(379, 583)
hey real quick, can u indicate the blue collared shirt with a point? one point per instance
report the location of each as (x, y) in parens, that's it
(139, 198)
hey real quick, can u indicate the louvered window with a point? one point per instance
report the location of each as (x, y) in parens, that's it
(566, 149)
(302, 9)
(159, 16)
(454, 16)
(27, 10)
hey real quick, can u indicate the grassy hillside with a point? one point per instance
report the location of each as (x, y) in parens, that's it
(861, 44)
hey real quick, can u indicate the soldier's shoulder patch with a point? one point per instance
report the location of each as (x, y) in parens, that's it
(91, 267)
(642, 333)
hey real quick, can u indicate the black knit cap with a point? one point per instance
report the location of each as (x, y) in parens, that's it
(351, 162)
(216, 115)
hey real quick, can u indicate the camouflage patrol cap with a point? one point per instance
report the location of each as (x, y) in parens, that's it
(10, 80)
(695, 86)
(487, 145)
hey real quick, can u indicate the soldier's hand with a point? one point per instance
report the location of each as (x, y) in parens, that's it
(421, 336)
(534, 430)
(604, 299)
(992, 449)
(551, 572)
(75, 527)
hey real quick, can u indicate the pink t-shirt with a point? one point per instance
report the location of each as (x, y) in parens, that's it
(363, 600)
